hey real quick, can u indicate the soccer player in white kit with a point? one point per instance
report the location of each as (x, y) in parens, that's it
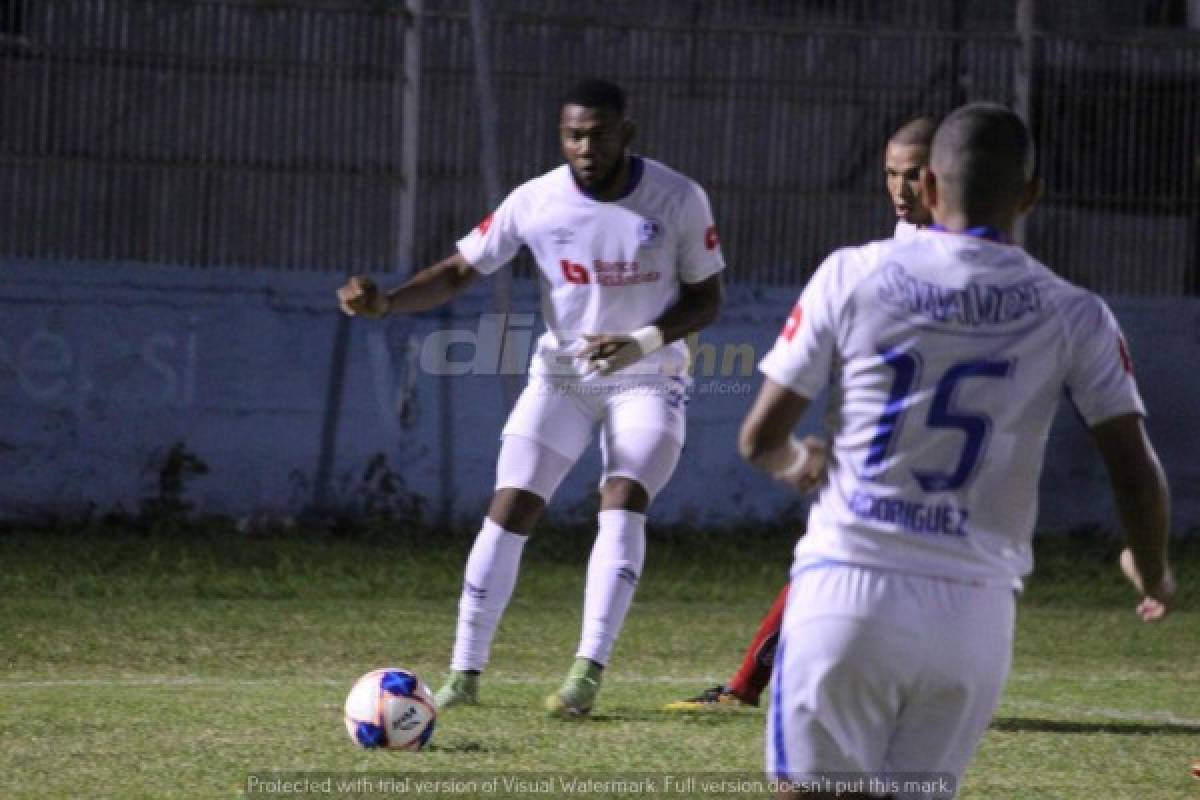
(945, 354)
(630, 264)
(904, 158)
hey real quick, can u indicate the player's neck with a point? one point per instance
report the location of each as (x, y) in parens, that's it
(998, 229)
(623, 181)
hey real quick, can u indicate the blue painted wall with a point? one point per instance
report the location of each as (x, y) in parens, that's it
(103, 368)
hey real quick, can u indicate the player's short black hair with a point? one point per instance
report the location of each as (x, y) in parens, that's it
(596, 93)
(918, 132)
(983, 154)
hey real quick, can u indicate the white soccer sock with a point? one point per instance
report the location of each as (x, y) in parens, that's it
(613, 572)
(491, 574)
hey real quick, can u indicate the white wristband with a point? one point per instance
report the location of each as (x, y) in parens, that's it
(648, 338)
(795, 468)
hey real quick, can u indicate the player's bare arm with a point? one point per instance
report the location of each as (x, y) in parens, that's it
(1144, 505)
(696, 308)
(429, 288)
(767, 442)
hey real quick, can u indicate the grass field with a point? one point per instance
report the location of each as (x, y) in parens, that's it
(156, 666)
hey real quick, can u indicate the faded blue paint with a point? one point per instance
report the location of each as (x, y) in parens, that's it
(103, 368)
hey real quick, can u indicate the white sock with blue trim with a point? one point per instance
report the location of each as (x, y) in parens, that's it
(613, 572)
(491, 574)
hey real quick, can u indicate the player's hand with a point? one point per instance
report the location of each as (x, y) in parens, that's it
(360, 296)
(607, 353)
(1156, 601)
(815, 472)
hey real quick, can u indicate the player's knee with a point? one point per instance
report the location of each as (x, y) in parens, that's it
(619, 492)
(516, 510)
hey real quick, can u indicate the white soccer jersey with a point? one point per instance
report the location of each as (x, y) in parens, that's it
(905, 230)
(606, 267)
(945, 355)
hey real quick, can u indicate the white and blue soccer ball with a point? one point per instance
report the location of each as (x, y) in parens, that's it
(390, 708)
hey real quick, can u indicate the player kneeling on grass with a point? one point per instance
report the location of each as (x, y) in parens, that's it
(630, 265)
(945, 355)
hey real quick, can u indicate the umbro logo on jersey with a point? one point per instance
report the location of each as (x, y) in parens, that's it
(562, 235)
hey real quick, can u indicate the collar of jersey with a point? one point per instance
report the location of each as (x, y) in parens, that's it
(989, 232)
(636, 168)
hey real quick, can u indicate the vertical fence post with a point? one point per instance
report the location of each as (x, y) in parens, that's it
(489, 137)
(1023, 66)
(405, 255)
(1192, 282)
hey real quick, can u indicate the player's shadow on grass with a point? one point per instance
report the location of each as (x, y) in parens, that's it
(654, 715)
(1028, 725)
(458, 747)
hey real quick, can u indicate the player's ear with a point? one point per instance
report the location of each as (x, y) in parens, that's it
(929, 189)
(1031, 194)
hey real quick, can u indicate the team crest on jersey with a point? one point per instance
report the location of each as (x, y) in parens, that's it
(649, 232)
(562, 235)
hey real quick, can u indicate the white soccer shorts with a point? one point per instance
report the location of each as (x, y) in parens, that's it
(886, 676)
(642, 422)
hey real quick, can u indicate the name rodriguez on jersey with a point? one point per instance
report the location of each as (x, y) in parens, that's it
(937, 518)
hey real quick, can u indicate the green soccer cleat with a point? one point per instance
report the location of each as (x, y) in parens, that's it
(718, 698)
(577, 695)
(460, 689)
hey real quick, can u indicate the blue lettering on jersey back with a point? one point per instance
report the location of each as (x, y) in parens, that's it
(975, 305)
(939, 518)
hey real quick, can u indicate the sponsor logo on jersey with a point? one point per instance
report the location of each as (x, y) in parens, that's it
(974, 305)
(607, 273)
(711, 239)
(485, 224)
(574, 273)
(1126, 359)
(793, 323)
(622, 273)
(649, 232)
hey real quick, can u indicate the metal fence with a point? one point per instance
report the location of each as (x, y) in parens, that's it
(287, 134)
(204, 133)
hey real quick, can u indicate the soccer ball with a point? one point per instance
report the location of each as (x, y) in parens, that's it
(390, 708)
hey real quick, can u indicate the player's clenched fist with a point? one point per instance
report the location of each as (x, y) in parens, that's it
(360, 296)
(1156, 601)
(812, 472)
